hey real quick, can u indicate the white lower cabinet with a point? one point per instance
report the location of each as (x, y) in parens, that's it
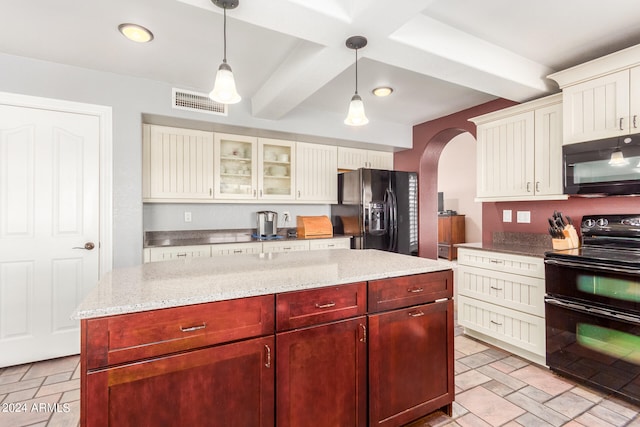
(177, 252)
(285, 246)
(236, 248)
(337, 243)
(500, 299)
(222, 249)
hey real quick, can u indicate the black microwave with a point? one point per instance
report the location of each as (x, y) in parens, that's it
(607, 166)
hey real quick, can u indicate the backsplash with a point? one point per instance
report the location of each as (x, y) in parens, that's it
(574, 207)
(220, 216)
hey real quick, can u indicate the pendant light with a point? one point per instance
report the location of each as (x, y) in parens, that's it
(224, 89)
(617, 158)
(356, 116)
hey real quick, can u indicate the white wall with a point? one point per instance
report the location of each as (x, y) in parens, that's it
(457, 180)
(129, 99)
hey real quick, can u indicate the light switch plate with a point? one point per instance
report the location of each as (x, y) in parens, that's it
(523, 217)
(506, 215)
(187, 217)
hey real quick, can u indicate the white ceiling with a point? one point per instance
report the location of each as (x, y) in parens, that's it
(289, 56)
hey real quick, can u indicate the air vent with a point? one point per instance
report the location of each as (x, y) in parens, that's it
(194, 101)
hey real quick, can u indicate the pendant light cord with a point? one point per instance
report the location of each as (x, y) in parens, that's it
(356, 71)
(224, 37)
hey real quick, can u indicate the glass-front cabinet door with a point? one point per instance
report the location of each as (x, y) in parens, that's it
(275, 166)
(236, 164)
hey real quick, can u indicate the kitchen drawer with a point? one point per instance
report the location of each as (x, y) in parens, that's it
(336, 243)
(129, 337)
(519, 330)
(314, 306)
(522, 293)
(405, 291)
(516, 264)
(236, 248)
(286, 246)
(178, 252)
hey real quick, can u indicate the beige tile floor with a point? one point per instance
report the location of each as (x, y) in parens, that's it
(493, 388)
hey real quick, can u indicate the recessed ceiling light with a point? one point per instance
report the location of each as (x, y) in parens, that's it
(136, 33)
(382, 91)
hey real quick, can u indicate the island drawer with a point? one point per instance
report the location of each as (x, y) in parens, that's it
(405, 291)
(314, 306)
(129, 337)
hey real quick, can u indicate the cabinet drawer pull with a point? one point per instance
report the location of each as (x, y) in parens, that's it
(267, 353)
(237, 251)
(635, 126)
(537, 186)
(497, 261)
(496, 288)
(327, 305)
(181, 255)
(415, 290)
(496, 323)
(621, 128)
(416, 313)
(364, 333)
(193, 328)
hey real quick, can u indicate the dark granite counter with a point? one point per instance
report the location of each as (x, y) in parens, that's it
(527, 244)
(154, 239)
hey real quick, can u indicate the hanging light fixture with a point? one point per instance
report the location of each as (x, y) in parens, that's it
(617, 158)
(356, 116)
(224, 88)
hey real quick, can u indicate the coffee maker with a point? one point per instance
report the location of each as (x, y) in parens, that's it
(267, 225)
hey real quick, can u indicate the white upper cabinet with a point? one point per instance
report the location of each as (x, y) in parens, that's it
(597, 108)
(177, 164)
(236, 165)
(601, 98)
(519, 152)
(356, 158)
(276, 169)
(316, 173)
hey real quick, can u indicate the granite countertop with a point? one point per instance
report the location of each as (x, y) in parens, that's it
(527, 244)
(198, 280)
(207, 237)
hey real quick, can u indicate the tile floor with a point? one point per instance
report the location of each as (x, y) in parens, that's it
(493, 388)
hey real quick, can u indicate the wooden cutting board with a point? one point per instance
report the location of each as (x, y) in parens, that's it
(314, 227)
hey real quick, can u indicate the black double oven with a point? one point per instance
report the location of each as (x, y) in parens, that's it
(592, 306)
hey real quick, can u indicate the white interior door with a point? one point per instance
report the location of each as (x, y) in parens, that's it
(49, 206)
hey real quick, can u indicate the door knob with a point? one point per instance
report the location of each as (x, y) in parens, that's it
(88, 246)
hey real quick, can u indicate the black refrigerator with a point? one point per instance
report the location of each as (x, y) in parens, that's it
(379, 208)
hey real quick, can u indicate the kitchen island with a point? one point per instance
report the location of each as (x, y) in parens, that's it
(328, 337)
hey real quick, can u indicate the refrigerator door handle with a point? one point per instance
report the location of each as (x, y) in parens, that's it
(395, 220)
(392, 204)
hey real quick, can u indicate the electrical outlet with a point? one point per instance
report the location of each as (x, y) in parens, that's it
(286, 217)
(506, 215)
(187, 217)
(523, 217)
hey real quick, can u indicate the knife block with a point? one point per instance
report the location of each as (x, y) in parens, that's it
(570, 241)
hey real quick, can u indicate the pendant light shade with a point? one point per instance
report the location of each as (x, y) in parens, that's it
(617, 158)
(224, 89)
(356, 115)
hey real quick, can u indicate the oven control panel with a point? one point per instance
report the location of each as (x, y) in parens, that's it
(611, 225)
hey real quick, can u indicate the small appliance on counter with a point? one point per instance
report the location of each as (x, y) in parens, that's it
(267, 224)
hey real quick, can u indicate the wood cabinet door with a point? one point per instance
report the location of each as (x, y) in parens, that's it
(505, 157)
(597, 108)
(316, 173)
(548, 151)
(177, 163)
(322, 375)
(410, 363)
(228, 385)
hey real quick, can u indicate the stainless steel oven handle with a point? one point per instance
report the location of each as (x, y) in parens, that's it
(586, 266)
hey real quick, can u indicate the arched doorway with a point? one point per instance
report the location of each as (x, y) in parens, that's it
(429, 139)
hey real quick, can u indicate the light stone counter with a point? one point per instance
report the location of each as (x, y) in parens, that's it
(199, 280)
